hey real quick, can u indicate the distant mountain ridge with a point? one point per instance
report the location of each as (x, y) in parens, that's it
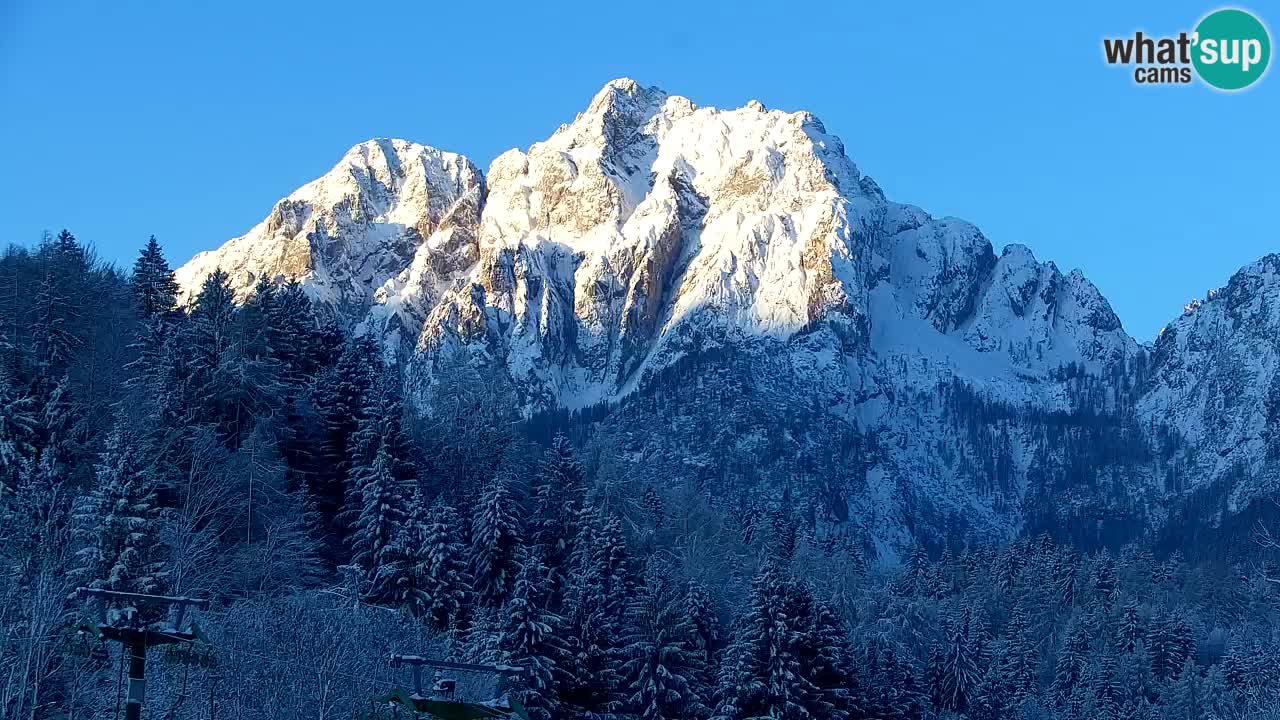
(653, 239)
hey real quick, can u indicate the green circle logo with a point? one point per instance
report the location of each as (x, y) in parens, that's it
(1232, 49)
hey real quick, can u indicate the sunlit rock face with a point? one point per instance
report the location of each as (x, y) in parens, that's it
(377, 238)
(648, 220)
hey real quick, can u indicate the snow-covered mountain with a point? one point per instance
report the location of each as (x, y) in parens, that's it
(1215, 388)
(378, 237)
(651, 236)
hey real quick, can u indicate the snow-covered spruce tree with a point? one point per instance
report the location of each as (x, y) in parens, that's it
(935, 676)
(699, 608)
(424, 570)
(57, 306)
(988, 703)
(1216, 699)
(662, 668)
(1104, 580)
(600, 584)
(960, 670)
(52, 335)
(1169, 644)
(823, 641)
(33, 521)
(558, 491)
(17, 429)
(445, 581)
(228, 387)
(1184, 697)
(155, 291)
(1017, 658)
(58, 430)
(774, 667)
(1105, 691)
(885, 684)
(341, 394)
(1243, 670)
(496, 538)
(381, 423)
(401, 579)
(1138, 683)
(530, 639)
(254, 323)
(155, 294)
(292, 335)
(1070, 666)
(476, 636)
(383, 510)
(920, 578)
(1131, 630)
(116, 525)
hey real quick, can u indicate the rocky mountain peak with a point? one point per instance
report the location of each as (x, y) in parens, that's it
(651, 234)
(378, 235)
(590, 257)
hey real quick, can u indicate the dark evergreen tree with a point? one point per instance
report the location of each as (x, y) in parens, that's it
(601, 583)
(117, 526)
(918, 579)
(17, 429)
(530, 640)
(401, 580)
(960, 668)
(1131, 630)
(1017, 658)
(69, 254)
(496, 539)
(154, 289)
(558, 491)
(885, 684)
(1184, 699)
(341, 397)
(1169, 644)
(935, 677)
(445, 580)
(1106, 692)
(822, 641)
(381, 423)
(699, 608)
(228, 387)
(1070, 667)
(767, 670)
(53, 336)
(661, 669)
(989, 701)
(292, 335)
(383, 510)
(256, 339)
(58, 436)
(156, 376)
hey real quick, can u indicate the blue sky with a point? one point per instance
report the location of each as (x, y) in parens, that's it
(188, 120)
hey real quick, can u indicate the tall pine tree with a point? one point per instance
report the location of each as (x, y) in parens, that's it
(117, 525)
(496, 539)
(662, 667)
(530, 640)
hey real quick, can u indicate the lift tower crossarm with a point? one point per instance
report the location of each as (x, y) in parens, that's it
(135, 637)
